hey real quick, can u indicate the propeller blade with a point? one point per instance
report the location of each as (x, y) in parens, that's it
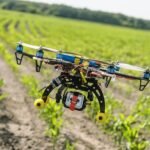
(72, 53)
(49, 49)
(129, 67)
(38, 47)
(30, 46)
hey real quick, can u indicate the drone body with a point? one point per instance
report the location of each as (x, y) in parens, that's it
(78, 81)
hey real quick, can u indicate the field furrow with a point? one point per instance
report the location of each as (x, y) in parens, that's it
(6, 25)
(16, 26)
(28, 28)
(23, 128)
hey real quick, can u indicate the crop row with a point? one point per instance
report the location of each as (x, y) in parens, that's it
(51, 113)
(104, 42)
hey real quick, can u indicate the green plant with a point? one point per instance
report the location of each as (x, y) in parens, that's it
(127, 133)
(1, 82)
(126, 130)
(112, 106)
(142, 110)
(8, 58)
(2, 95)
(69, 145)
(52, 114)
(31, 84)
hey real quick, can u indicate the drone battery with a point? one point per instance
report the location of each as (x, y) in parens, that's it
(69, 58)
(93, 64)
(39, 54)
(19, 48)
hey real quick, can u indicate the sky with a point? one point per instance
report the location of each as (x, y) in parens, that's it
(135, 8)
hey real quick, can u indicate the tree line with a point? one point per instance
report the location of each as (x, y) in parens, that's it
(75, 13)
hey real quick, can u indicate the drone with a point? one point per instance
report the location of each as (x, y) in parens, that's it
(78, 81)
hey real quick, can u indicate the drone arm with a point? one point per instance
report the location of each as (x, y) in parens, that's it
(130, 77)
(121, 75)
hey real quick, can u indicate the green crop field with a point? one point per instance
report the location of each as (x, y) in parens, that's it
(91, 39)
(94, 40)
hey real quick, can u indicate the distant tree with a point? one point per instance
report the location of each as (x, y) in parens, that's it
(75, 13)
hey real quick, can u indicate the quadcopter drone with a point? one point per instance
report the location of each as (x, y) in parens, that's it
(78, 81)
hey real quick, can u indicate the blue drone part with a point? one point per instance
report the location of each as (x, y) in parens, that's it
(39, 54)
(19, 48)
(146, 75)
(111, 69)
(69, 58)
(93, 64)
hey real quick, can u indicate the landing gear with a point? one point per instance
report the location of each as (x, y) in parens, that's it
(74, 100)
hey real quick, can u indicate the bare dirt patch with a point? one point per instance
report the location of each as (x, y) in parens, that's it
(20, 128)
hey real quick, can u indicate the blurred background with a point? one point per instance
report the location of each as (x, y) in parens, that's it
(104, 30)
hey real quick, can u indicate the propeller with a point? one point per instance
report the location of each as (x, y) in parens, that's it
(62, 52)
(49, 49)
(129, 67)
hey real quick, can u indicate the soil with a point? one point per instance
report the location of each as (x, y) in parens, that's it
(20, 127)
